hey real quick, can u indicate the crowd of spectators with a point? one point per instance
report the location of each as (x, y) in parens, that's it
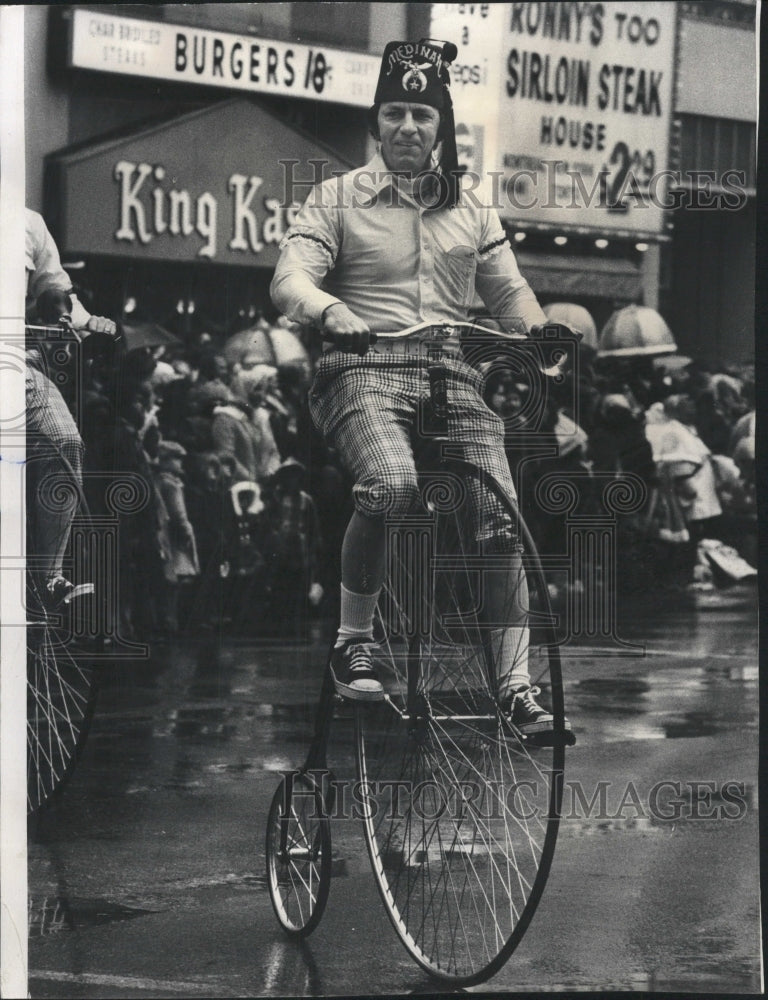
(684, 430)
(235, 510)
(240, 508)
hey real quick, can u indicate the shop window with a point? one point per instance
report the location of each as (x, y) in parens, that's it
(717, 144)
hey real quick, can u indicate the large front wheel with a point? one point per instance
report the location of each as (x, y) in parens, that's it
(462, 810)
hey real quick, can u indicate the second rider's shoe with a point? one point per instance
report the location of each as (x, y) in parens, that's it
(60, 591)
(353, 672)
(527, 715)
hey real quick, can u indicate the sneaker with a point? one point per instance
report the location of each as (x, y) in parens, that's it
(60, 591)
(526, 714)
(353, 674)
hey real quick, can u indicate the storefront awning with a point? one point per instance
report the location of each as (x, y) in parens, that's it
(569, 276)
(217, 185)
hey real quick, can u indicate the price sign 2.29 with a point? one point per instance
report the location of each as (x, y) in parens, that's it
(626, 177)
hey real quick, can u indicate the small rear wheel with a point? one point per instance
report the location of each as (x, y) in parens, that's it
(298, 854)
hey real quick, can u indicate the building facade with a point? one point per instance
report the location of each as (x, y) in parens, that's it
(162, 141)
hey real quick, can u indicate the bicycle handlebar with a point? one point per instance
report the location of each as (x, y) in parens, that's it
(62, 330)
(432, 335)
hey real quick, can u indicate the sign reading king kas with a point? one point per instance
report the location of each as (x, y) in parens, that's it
(220, 185)
(155, 49)
(565, 108)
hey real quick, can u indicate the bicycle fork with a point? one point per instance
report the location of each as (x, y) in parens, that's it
(315, 770)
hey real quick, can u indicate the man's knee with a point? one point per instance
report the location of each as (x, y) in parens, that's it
(505, 541)
(392, 495)
(63, 434)
(498, 534)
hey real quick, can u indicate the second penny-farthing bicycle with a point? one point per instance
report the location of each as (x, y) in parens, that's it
(460, 808)
(61, 646)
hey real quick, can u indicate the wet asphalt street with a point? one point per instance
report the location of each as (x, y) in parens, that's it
(147, 874)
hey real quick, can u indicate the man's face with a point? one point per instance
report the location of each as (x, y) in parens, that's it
(408, 134)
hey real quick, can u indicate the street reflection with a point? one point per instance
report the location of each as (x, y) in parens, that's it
(54, 914)
(189, 746)
(290, 969)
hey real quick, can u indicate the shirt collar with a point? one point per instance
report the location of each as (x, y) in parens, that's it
(379, 177)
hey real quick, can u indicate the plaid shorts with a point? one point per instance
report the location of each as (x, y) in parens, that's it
(367, 410)
(49, 422)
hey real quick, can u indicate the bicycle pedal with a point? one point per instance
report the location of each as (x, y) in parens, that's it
(565, 738)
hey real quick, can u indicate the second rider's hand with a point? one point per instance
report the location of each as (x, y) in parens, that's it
(348, 332)
(100, 324)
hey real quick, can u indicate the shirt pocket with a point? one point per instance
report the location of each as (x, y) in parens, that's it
(461, 265)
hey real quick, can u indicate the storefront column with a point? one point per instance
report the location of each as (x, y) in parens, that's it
(650, 269)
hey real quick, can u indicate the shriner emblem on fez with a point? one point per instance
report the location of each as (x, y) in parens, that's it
(414, 80)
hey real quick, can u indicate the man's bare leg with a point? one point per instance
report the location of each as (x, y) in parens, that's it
(362, 576)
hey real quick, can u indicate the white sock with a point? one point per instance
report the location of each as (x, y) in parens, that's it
(510, 652)
(357, 611)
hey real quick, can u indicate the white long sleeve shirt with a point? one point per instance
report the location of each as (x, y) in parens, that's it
(364, 240)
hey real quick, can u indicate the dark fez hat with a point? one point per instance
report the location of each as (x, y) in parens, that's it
(417, 73)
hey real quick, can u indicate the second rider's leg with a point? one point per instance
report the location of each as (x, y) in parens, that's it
(54, 484)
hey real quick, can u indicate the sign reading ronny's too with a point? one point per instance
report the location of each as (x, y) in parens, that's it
(162, 51)
(578, 96)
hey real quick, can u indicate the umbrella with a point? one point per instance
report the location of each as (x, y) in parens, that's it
(138, 335)
(635, 331)
(671, 363)
(274, 345)
(576, 317)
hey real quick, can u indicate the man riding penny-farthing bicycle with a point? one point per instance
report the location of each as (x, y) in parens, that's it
(387, 261)
(394, 245)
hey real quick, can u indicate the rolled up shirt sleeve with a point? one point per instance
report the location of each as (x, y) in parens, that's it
(43, 265)
(503, 289)
(44, 270)
(307, 253)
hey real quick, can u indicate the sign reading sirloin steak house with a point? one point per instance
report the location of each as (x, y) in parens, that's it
(221, 185)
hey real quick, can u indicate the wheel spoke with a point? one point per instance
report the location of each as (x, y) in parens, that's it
(60, 693)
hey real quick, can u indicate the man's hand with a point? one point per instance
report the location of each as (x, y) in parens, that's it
(565, 362)
(348, 332)
(100, 324)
